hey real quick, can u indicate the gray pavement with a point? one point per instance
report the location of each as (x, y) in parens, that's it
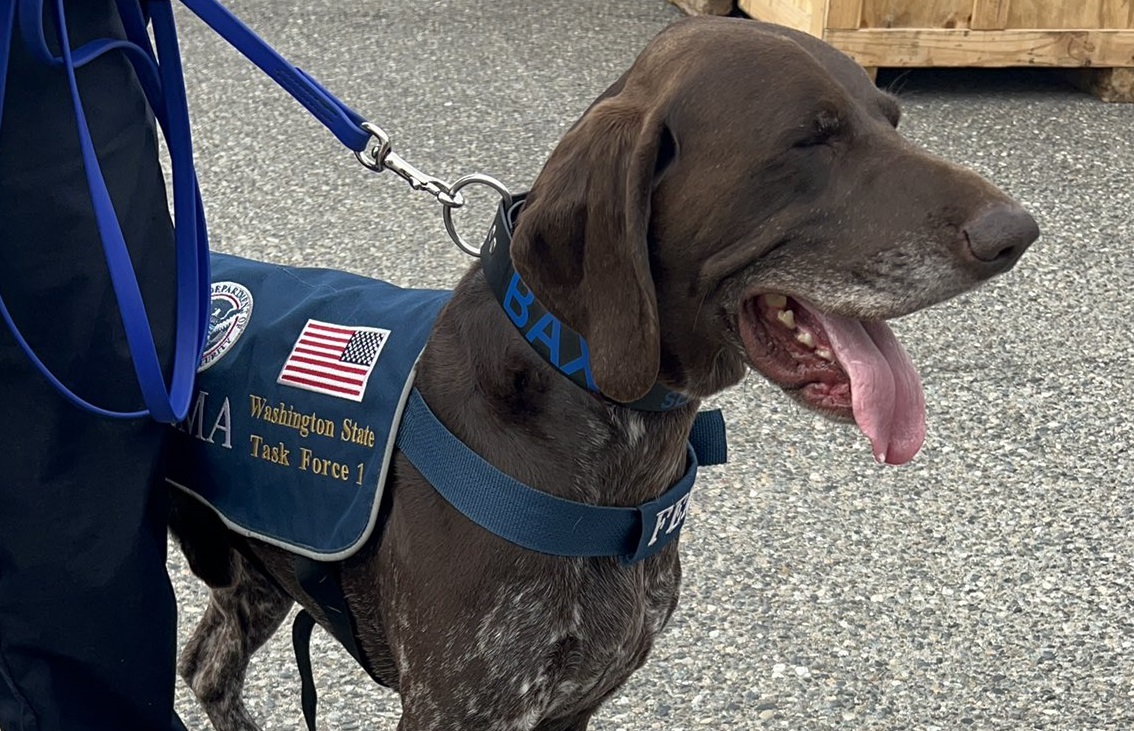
(988, 585)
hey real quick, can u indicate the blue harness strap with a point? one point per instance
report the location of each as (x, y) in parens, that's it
(542, 522)
(708, 437)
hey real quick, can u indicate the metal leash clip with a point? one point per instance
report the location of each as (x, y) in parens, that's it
(379, 156)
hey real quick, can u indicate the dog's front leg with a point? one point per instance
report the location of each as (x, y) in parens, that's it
(238, 620)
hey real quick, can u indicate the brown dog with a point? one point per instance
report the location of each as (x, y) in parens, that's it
(739, 199)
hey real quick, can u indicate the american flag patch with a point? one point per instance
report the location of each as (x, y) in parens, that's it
(333, 359)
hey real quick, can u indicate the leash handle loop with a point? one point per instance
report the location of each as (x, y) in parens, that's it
(160, 77)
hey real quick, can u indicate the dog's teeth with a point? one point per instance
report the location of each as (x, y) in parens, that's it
(825, 354)
(775, 301)
(787, 317)
(805, 337)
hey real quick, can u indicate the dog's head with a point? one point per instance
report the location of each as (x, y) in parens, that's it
(741, 196)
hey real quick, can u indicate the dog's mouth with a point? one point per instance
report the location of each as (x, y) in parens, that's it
(842, 367)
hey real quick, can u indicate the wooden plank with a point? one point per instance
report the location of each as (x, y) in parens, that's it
(819, 11)
(784, 12)
(1082, 14)
(844, 14)
(1117, 14)
(990, 15)
(1032, 14)
(916, 13)
(904, 47)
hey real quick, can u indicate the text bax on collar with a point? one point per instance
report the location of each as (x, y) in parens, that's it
(551, 338)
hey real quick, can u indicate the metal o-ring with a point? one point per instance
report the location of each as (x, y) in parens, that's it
(447, 209)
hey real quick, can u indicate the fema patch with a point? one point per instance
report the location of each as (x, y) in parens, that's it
(335, 360)
(230, 309)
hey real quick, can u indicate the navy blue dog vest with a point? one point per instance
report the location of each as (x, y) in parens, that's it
(300, 396)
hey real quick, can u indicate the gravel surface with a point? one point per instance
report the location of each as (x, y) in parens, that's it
(987, 585)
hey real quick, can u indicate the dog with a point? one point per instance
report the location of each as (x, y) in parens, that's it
(740, 199)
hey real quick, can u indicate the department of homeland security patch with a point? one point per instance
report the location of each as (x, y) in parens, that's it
(333, 359)
(230, 310)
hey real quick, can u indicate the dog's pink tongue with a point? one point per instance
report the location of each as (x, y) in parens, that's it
(886, 395)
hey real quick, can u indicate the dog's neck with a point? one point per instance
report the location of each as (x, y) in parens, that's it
(495, 393)
(552, 339)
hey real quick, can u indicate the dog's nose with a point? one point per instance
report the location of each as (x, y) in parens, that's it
(998, 236)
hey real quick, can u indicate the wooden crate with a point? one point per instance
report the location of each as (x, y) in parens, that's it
(1097, 35)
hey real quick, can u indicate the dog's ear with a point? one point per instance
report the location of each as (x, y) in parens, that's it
(581, 242)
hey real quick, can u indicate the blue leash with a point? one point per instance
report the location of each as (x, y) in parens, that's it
(161, 79)
(343, 122)
(165, 90)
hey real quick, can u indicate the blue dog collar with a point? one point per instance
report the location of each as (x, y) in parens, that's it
(551, 338)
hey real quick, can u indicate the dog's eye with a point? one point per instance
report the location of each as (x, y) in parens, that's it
(821, 131)
(812, 141)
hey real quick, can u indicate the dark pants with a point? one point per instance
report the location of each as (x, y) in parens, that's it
(87, 614)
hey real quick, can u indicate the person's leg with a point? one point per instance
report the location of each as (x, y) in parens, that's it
(87, 613)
